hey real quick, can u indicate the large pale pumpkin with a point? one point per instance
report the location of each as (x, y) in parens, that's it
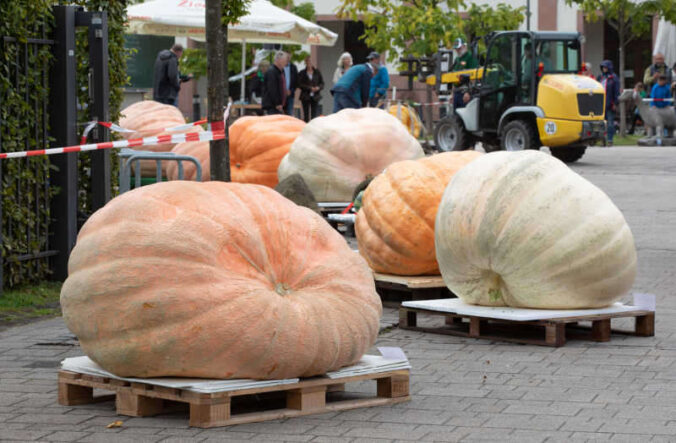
(336, 153)
(395, 226)
(521, 229)
(257, 146)
(217, 280)
(150, 119)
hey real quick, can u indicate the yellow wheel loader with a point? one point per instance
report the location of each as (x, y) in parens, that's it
(526, 95)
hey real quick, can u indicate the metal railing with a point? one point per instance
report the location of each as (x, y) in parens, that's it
(129, 157)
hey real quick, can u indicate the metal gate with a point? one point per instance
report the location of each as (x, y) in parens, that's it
(50, 235)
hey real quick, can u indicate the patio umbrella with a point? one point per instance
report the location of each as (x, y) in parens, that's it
(264, 23)
(665, 42)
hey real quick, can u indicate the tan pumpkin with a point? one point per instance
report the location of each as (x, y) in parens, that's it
(521, 229)
(217, 280)
(257, 146)
(149, 118)
(336, 153)
(395, 226)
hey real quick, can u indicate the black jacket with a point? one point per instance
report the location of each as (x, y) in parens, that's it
(273, 95)
(167, 82)
(305, 85)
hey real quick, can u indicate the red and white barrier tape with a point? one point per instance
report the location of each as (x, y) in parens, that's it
(657, 99)
(115, 128)
(131, 143)
(186, 126)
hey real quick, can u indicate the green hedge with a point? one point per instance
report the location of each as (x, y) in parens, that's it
(23, 99)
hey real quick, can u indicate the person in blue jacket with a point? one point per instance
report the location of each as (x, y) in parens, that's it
(352, 90)
(661, 90)
(380, 82)
(611, 84)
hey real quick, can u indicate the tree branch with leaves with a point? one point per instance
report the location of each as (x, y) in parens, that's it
(420, 27)
(631, 19)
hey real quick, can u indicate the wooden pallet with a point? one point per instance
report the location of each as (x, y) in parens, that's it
(549, 332)
(399, 288)
(309, 396)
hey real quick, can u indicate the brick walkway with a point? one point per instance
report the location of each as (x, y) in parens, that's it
(463, 389)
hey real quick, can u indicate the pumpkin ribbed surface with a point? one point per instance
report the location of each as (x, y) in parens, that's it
(408, 117)
(521, 229)
(336, 153)
(395, 226)
(150, 119)
(257, 146)
(217, 280)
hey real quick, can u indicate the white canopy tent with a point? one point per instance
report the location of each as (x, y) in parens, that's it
(264, 23)
(665, 43)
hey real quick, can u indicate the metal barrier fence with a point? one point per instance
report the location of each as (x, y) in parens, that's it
(129, 157)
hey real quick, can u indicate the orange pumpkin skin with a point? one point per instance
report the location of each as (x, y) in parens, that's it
(257, 146)
(395, 226)
(150, 119)
(217, 280)
(199, 150)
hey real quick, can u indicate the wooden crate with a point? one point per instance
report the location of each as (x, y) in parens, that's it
(309, 396)
(397, 288)
(548, 332)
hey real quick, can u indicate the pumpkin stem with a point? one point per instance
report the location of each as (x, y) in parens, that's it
(282, 289)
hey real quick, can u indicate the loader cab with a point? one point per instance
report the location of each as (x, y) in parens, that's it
(515, 61)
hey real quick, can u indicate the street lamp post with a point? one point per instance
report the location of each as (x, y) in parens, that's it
(528, 15)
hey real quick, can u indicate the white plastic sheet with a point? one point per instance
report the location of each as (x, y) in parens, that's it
(455, 305)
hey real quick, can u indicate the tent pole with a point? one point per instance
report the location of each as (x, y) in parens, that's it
(243, 82)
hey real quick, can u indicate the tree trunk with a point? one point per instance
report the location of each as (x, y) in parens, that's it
(621, 31)
(215, 85)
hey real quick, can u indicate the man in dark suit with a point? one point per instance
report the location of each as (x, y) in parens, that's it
(274, 86)
(291, 77)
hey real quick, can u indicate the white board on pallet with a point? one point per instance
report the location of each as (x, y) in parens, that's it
(457, 306)
(369, 364)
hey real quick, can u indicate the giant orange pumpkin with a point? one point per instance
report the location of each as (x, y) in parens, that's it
(395, 226)
(335, 153)
(149, 119)
(257, 146)
(217, 280)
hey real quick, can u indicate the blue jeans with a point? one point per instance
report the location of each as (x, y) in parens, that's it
(610, 120)
(343, 100)
(288, 107)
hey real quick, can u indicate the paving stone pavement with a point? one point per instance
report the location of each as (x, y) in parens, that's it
(462, 389)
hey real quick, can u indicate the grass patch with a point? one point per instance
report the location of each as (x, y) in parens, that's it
(26, 303)
(627, 140)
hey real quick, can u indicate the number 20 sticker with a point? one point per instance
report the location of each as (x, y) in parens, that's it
(550, 128)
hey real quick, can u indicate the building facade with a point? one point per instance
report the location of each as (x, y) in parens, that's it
(546, 15)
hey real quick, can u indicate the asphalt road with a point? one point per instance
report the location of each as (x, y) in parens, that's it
(463, 389)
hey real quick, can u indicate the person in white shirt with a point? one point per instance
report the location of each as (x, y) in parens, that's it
(344, 63)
